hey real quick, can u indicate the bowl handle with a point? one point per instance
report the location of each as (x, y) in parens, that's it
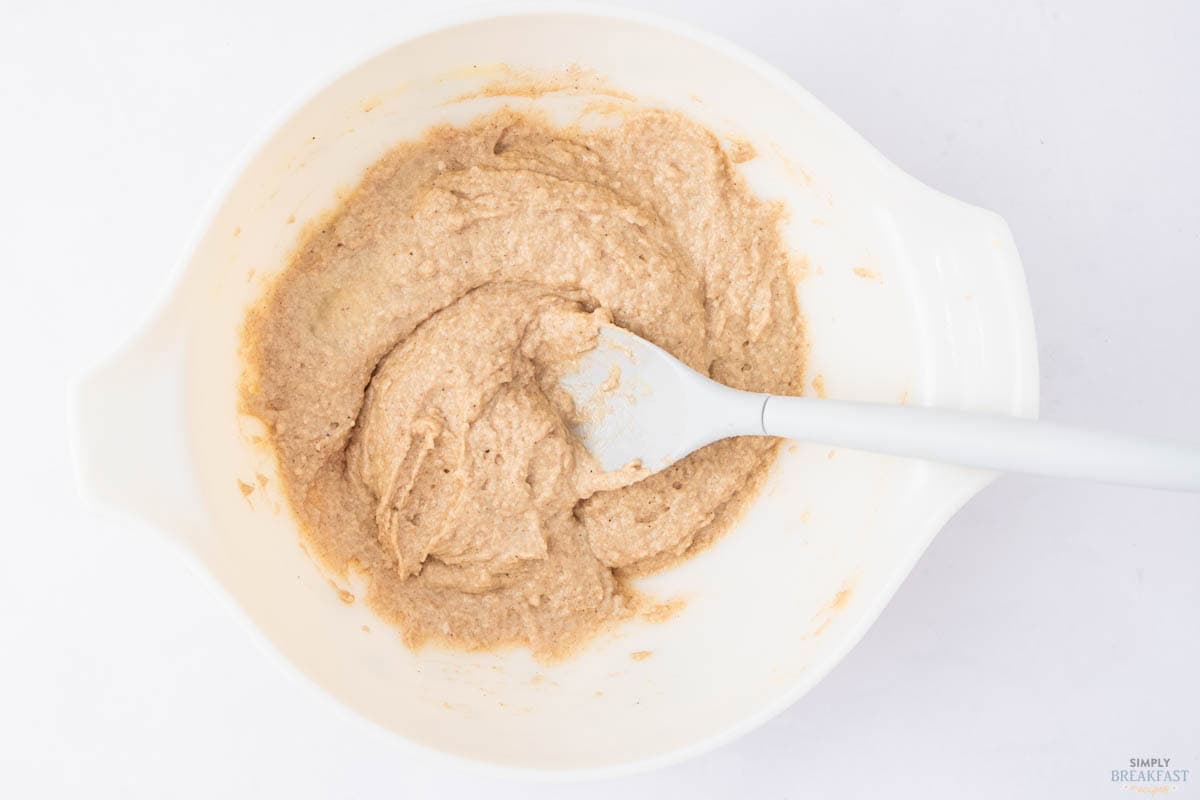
(129, 436)
(974, 284)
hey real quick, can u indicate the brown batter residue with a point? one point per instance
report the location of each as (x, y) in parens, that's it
(405, 364)
(741, 151)
(513, 82)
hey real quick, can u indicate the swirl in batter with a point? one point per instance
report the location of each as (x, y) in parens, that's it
(405, 364)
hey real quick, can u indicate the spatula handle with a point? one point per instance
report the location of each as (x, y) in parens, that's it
(989, 441)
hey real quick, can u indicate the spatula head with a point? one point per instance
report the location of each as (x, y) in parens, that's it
(632, 402)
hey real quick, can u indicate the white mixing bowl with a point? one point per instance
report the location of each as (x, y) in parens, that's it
(911, 296)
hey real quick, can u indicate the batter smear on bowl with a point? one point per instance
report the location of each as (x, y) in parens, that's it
(405, 364)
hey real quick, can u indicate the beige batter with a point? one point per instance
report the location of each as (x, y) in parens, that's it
(405, 365)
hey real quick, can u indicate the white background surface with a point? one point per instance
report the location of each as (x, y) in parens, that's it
(1050, 633)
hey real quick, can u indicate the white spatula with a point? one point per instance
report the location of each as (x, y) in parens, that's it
(640, 404)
